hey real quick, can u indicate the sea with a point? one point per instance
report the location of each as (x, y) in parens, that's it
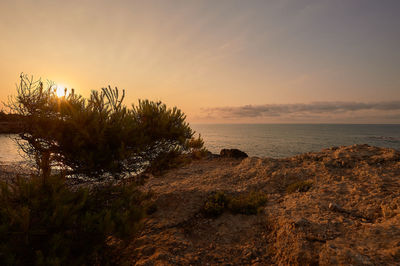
(9, 150)
(268, 140)
(284, 140)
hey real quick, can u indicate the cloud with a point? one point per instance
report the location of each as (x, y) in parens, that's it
(300, 110)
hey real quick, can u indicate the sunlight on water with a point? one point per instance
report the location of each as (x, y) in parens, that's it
(280, 140)
(9, 150)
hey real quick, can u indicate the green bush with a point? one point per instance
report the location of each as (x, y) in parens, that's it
(216, 204)
(42, 221)
(168, 160)
(97, 135)
(248, 203)
(300, 186)
(196, 148)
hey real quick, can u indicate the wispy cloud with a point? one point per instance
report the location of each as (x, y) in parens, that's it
(301, 109)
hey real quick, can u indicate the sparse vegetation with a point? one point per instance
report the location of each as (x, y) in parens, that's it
(300, 186)
(216, 204)
(248, 203)
(43, 222)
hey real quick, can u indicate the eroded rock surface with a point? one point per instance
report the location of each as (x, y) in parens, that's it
(350, 215)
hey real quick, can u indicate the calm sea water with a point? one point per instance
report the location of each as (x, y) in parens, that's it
(9, 151)
(270, 140)
(282, 140)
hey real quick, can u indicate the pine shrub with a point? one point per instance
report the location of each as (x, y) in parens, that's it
(97, 136)
(43, 222)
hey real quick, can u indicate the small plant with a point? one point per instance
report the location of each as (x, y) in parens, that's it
(250, 203)
(300, 186)
(216, 204)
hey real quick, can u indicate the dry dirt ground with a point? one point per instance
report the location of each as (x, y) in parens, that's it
(350, 216)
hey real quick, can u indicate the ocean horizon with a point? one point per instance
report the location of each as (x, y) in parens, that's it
(284, 140)
(270, 140)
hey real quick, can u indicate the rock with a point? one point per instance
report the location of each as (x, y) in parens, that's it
(335, 207)
(211, 155)
(233, 153)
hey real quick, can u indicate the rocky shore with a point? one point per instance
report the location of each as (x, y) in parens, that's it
(350, 215)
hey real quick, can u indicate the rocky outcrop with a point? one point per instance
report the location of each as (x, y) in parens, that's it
(233, 153)
(349, 216)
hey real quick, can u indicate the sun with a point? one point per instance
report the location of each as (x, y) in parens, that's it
(61, 90)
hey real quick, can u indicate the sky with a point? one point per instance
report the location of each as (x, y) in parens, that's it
(220, 61)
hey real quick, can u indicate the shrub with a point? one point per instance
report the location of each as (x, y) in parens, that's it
(161, 132)
(300, 186)
(98, 135)
(248, 203)
(168, 160)
(44, 222)
(216, 204)
(196, 148)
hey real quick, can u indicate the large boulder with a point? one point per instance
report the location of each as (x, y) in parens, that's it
(233, 153)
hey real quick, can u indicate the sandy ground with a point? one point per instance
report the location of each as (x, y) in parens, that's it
(350, 216)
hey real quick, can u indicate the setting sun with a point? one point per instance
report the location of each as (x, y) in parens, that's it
(61, 90)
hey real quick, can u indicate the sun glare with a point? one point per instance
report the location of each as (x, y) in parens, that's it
(61, 91)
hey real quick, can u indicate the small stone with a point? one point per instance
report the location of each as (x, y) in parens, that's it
(334, 207)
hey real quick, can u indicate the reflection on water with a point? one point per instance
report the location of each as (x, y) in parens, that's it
(283, 140)
(9, 152)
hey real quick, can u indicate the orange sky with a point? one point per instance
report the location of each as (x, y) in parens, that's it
(206, 55)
